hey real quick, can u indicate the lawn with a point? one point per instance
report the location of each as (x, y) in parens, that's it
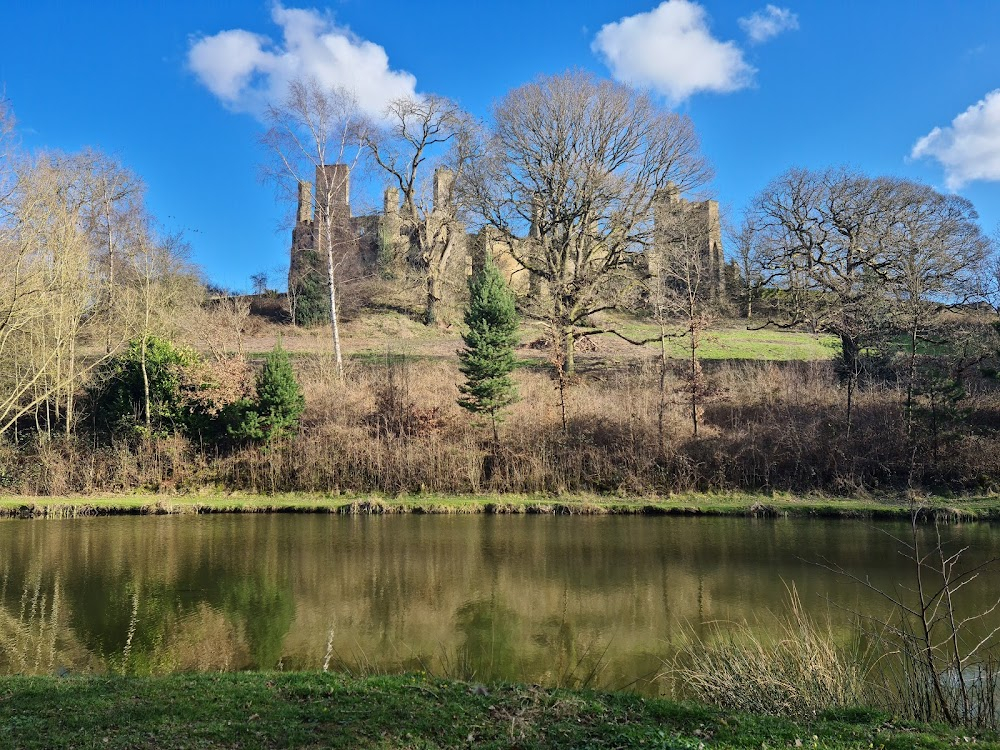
(283, 710)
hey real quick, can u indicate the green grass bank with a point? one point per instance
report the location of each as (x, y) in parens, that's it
(282, 710)
(967, 508)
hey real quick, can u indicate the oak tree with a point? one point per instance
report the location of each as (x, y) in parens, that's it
(424, 144)
(567, 179)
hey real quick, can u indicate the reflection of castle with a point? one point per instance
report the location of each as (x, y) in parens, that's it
(373, 240)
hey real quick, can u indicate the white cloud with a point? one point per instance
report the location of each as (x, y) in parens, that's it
(969, 148)
(671, 50)
(247, 71)
(766, 24)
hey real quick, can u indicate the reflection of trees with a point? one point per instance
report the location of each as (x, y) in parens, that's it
(266, 610)
(133, 623)
(32, 633)
(141, 598)
(536, 599)
(487, 650)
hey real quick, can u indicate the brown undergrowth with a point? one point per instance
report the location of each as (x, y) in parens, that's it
(394, 427)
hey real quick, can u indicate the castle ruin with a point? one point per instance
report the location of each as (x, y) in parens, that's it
(387, 239)
(691, 227)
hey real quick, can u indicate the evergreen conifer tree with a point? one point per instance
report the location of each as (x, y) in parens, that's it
(279, 402)
(312, 294)
(487, 360)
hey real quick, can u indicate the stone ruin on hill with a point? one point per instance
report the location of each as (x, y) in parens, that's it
(377, 241)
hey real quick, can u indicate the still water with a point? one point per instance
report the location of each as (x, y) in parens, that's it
(552, 600)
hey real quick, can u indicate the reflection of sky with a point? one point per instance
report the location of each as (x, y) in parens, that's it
(539, 599)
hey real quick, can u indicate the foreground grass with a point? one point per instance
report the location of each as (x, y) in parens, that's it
(758, 505)
(278, 710)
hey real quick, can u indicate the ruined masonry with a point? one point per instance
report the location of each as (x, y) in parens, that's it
(325, 207)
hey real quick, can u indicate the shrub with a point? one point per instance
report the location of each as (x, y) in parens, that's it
(311, 293)
(120, 398)
(187, 394)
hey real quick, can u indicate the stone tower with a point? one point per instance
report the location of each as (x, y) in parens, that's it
(444, 181)
(324, 209)
(697, 225)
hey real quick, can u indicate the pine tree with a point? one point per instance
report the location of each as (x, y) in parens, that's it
(279, 402)
(487, 360)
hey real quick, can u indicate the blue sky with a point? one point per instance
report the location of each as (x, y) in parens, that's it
(907, 88)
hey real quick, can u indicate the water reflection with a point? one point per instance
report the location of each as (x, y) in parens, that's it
(569, 601)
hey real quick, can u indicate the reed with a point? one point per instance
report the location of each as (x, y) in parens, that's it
(799, 670)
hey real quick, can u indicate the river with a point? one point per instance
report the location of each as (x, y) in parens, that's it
(555, 600)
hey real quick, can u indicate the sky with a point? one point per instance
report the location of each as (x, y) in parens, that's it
(176, 90)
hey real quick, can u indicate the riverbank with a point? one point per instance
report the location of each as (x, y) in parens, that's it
(278, 710)
(985, 508)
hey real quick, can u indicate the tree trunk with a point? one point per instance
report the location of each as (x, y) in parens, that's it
(436, 268)
(70, 390)
(145, 382)
(433, 296)
(111, 280)
(569, 361)
(694, 379)
(662, 406)
(849, 356)
(334, 322)
(910, 377)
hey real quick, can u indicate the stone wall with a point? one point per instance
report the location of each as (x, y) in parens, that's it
(384, 243)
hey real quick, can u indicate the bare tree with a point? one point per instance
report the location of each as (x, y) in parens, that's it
(940, 259)
(318, 131)
(68, 233)
(116, 220)
(7, 156)
(861, 257)
(425, 138)
(681, 288)
(826, 245)
(161, 283)
(940, 653)
(52, 289)
(991, 285)
(745, 238)
(567, 180)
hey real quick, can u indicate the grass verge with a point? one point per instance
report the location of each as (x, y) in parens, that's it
(986, 508)
(279, 710)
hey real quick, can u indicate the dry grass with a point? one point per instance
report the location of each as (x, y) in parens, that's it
(798, 671)
(395, 427)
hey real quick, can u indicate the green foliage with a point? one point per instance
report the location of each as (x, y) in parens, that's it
(940, 407)
(275, 411)
(386, 255)
(187, 394)
(266, 610)
(119, 398)
(487, 360)
(312, 709)
(312, 293)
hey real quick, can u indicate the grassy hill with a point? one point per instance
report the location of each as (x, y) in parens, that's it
(372, 334)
